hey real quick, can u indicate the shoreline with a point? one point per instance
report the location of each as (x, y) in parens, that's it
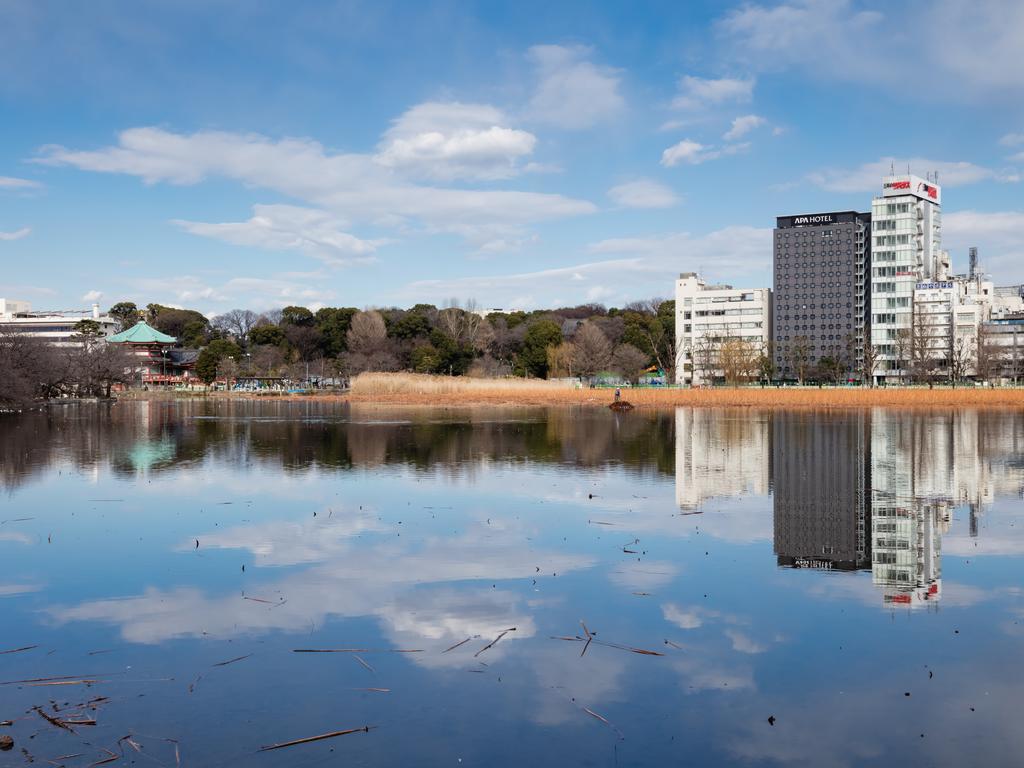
(533, 396)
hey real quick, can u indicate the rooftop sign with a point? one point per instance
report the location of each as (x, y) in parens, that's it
(912, 185)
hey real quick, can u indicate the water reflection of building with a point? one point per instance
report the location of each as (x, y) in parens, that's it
(720, 453)
(822, 490)
(907, 550)
(921, 465)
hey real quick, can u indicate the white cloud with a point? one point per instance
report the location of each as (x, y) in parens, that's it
(998, 235)
(694, 153)
(833, 39)
(684, 618)
(642, 267)
(311, 290)
(643, 193)
(572, 92)
(868, 177)
(743, 643)
(10, 182)
(288, 227)
(92, 296)
(743, 125)
(16, 234)
(697, 93)
(452, 140)
(686, 151)
(355, 186)
(1012, 139)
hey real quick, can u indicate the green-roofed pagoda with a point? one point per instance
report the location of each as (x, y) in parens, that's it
(141, 333)
(152, 350)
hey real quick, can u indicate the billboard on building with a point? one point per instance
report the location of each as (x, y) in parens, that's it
(912, 185)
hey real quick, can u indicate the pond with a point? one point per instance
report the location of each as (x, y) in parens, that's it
(189, 582)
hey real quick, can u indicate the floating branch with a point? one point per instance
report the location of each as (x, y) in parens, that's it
(321, 737)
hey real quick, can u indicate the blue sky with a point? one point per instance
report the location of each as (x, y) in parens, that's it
(218, 155)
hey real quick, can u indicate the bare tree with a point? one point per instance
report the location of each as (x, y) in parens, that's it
(560, 360)
(737, 358)
(367, 333)
(705, 357)
(629, 361)
(266, 360)
(592, 351)
(237, 323)
(766, 367)
(961, 357)
(923, 348)
(798, 357)
(869, 358)
(95, 370)
(304, 339)
(21, 365)
(228, 369)
(460, 324)
(987, 355)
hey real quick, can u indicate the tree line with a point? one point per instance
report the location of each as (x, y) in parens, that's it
(32, 369)
(298, 343)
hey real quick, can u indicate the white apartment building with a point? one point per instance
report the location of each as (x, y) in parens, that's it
(55, 327)
(906, 239)
(947, 316)
(708, 315)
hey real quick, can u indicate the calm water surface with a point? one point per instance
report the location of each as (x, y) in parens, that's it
(828, 589)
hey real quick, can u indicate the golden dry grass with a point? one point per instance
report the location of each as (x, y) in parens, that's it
(418, 389)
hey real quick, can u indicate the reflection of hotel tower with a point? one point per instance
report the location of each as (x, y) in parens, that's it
(822, 491)
(913, 467)
(720, 453)
(877, 489)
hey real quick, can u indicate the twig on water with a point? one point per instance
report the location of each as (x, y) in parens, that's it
(360, 659)
(19, 650)
(231, 661)
(357, 650)
(592, 713)
(494, 642)
(453, 647)
(321, 737)
(54, 721)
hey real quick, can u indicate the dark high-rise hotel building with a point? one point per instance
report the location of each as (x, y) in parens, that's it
(822, 265)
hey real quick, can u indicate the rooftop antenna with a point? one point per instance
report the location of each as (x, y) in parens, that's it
(973, 260)
(936, 177)
(892, 167)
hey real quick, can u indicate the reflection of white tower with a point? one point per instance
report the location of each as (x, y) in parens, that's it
(907, 551)
(912, 460)
(720, 453)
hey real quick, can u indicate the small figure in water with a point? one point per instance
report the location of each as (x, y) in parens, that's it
(618, 394)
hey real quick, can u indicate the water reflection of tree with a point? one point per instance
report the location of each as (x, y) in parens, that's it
(133, 438)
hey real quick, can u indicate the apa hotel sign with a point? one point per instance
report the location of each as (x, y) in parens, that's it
(820, 218)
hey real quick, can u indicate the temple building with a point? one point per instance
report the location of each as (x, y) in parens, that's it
(157, 361)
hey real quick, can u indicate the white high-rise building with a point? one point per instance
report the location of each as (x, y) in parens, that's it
(707, 316)
(906, 249)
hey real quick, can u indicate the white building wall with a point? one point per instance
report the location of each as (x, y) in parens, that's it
(57, 328)
(719, 312)
(906, 248)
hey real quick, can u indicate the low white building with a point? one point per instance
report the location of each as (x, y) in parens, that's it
(55, 327)
(708, 316)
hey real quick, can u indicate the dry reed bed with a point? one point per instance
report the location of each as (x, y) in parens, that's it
(419, 389)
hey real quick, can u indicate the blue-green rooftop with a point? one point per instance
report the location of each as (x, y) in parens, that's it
(141, 333)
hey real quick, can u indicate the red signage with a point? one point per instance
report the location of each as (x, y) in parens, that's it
(898, 185)
(928, 189)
